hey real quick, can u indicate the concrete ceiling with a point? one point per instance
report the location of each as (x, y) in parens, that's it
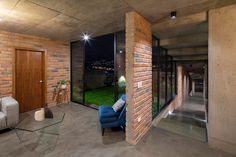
(67, 19)
(195, 70)
(62, 19)
(186, 37)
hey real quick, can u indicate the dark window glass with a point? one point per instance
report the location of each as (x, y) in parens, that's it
(162, 78)
(173, 79)
(155, 74)
(99, 71)
(120, 79)
(169, 78)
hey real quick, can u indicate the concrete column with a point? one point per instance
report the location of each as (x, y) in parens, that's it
(180, 93)
(222, 78)
(138, 77)
(187, 86)
(193, 87)
(184, 86)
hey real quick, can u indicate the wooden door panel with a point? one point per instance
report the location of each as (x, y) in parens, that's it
(29, 72)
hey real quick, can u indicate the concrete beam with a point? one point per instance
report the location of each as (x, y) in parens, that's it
(188, 51)
(193, 40)
(191, 58)
(180, 22)
(207, 5)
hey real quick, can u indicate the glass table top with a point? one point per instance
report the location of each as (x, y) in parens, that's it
(28, 123)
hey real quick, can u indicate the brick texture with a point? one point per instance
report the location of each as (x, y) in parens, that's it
(58, 56)
(138, 68)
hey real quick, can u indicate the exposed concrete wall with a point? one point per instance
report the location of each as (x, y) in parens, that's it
(138, 70)
(222, 78)
(58, 60)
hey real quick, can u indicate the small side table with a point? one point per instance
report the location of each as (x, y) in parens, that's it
(61, 95)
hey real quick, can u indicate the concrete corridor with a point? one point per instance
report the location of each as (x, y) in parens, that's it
(188, 120)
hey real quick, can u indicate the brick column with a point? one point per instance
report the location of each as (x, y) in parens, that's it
(138, 71)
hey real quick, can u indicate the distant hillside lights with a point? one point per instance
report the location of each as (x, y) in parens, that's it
(102, 68)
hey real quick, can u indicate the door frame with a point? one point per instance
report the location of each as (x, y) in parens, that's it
(45, 60)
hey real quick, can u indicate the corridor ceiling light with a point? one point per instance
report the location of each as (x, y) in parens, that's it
(173, 15)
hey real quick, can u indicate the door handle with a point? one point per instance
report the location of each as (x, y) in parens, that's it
(41, 81)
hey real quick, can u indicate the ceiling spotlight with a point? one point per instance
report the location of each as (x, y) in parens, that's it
(85, 37)
(173, 15)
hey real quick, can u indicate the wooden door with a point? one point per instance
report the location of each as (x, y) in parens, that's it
(29, 79)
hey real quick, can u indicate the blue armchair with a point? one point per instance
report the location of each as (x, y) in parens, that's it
(111, 119)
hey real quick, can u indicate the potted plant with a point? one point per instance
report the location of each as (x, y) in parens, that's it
(63, 83)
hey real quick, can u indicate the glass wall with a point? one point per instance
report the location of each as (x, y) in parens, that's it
(174, 79)
(169, 77)
(77, 72)
(163, 78)
(155, 76)
(99, 71)
(120, 81)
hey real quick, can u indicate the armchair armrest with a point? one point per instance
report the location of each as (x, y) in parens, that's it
(10, 108)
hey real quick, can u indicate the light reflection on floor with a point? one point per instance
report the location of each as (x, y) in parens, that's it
(188, 120)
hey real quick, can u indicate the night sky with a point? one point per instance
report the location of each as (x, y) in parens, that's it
(100, 48)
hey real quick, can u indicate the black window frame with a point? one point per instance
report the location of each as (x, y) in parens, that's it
(173, 71)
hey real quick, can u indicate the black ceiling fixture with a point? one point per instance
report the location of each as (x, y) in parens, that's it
(173, 15)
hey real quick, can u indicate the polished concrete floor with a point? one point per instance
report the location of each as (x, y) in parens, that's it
(80, 136)
(189, 119)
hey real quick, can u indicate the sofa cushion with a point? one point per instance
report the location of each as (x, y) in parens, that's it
(10, 108)
(118, 105)
(9, 102)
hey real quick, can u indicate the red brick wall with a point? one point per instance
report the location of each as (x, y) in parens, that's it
(138, 69)
(58, 55)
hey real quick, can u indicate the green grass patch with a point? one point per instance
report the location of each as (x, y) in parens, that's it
(100, 96)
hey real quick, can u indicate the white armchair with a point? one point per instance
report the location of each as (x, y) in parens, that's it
(9, 112)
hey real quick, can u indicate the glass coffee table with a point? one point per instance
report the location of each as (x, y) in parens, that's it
(39, 136)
